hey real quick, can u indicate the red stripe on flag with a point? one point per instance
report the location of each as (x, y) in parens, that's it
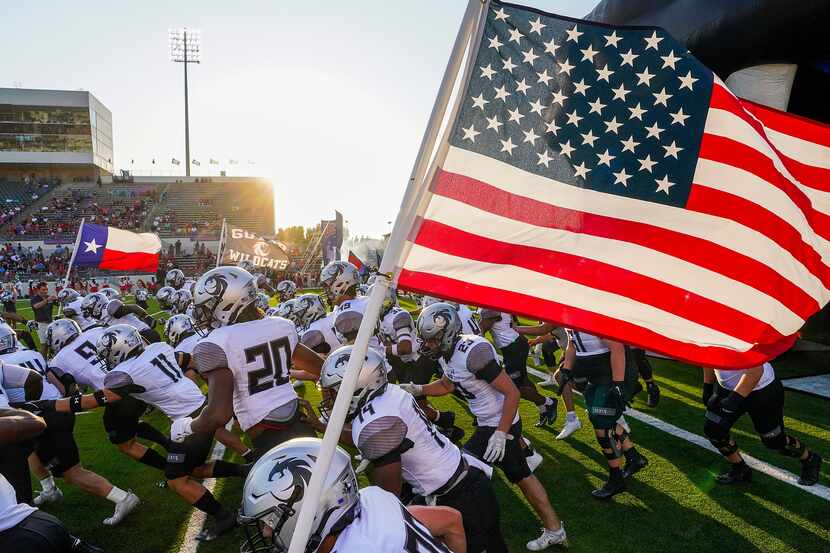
(601, 276)
(694, 250)
(736, 208)
(730, 152)
(808, 175)
(790, 123)
(132, 261)
(580, 319)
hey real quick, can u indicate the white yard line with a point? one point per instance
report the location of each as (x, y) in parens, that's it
(787, 477)
(197, 518)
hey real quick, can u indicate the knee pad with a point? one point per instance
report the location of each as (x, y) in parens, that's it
(720, 438)
(775, 439)
(609, 441)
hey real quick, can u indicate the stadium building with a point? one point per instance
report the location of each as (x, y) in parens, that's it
(54, 133)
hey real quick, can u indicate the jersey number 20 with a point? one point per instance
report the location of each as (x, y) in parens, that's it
(276, 359)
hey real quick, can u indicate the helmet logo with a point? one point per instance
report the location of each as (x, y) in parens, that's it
(441, 320)
(297, 478)
(216, 286)
(341, 360)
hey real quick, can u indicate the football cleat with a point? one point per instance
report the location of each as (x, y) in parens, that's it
(653, 391)
(549, 381)
(810, 470)
(122, 509)
(738, 473)
(609, 489)
(548, 538)
(548, 416)
(635, 465)
(533, 457)
(44, 498)
(220, 526)
(570, 427)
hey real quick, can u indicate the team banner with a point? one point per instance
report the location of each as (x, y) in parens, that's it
(242, 245)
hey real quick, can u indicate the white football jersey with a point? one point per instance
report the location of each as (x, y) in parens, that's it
(469, 320)
(259, 355)
(502, 330)
(321, 331)
(397, 326)
(77, 316)
(385, 526)
(347, 318)
(466, 369)
(30, 359)
(80, 359)
(163, 382)
(187, 344)
(188, 284)
(730, 379)
(12, 513)
(431, 460)
(129, 319)
(586, 344)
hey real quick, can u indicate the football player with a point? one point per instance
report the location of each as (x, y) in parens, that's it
(56, 447)
(74, 360)
(390, 429)
(116, 312)
(141, 297)
(245, 359)
(286, 290)
(470, 366)
(152, 374)
(174, 279)
(339, 280)
(514, 350)
(263, 302)
(346, 519)
(182, 302)
(317, 330)
(164, 297)
(757, 392)
(71, 301)
(608, 389)
(470, 320)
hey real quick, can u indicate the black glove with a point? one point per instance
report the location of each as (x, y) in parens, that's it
(708, 391)
(38, 407)
(617, 393)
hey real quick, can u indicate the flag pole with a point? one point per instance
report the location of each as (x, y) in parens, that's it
(74, 252)
(221, 248)
(470, 25)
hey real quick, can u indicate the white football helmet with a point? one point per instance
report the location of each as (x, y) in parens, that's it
(92, 306)
(286, 289)
(338, 279)
(221, 294)
(165, 296)
(177, 328)
(272, 312)
(174, 278)
(68, 295)
(286, 311)
(59, 333)
(117, 344)
(426, 301)
(8, 339)
(181, 299)
(263, 301)
(247, 264)
(274, 491)
(308, 308)
(372, 379)
(110, 293)
(438, 327)
(363, 290)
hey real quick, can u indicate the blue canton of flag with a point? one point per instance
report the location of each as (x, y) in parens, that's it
(617, 111)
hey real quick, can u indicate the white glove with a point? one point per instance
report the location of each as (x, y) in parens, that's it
(180, 429)
(414, 389)
(496, 446)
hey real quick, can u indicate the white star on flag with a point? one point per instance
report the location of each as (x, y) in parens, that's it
(91, 246)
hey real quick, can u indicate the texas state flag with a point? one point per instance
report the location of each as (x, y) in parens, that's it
(116, 249)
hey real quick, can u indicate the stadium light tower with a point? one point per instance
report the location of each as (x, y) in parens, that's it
(185, 47)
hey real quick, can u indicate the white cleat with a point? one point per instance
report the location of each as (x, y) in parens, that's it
(549, 382)
(534, 459)
(122, 509)
(570, 427)
(548, 538)
(44, 497)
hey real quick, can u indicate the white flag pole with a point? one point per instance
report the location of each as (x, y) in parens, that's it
(74, 252)
(473, 17)
(221, 249)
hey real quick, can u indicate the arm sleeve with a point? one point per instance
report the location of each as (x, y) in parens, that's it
(402, 325)
(121, 383)
(14, 376)
(312, 339)
(383, 438)
(209, 356)
(348, 323)
(114, 307)
(482, 362)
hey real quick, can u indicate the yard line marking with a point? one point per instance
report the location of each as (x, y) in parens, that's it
(818, 490)
(197, 518)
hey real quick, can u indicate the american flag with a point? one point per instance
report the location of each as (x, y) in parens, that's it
(602, 178)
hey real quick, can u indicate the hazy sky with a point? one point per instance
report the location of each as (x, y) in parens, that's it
(330, 98)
